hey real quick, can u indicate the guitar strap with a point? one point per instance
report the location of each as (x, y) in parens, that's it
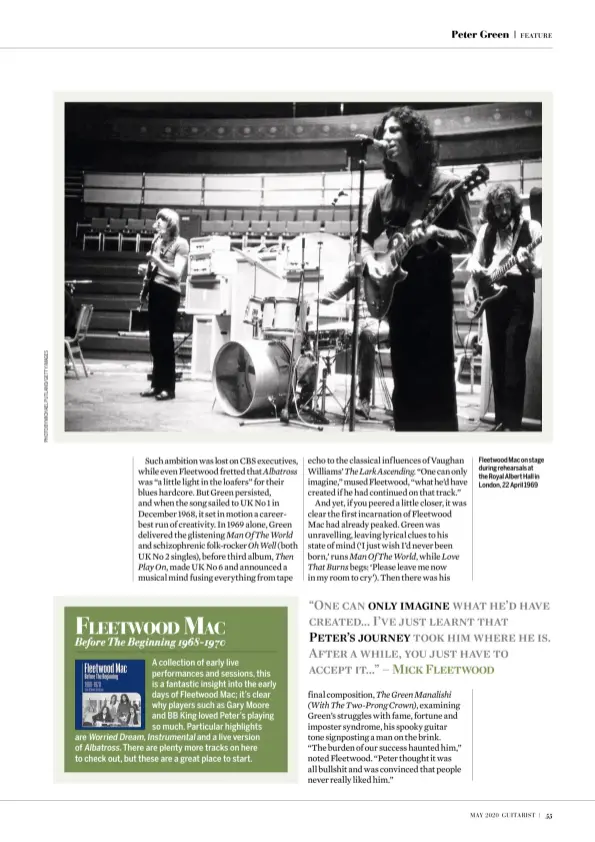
(419, 206)
(515, 236)
(416, 212)
(490, 240)
(521, 233)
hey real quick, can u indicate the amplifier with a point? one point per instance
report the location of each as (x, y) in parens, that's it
(208, 295)
(207, 245)
(216, 263)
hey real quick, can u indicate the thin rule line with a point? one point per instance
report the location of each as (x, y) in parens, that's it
(262, 48)
(303, 519)
(133, 519)
(472, 768)
(472, 519)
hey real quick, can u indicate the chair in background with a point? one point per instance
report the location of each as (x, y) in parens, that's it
(134, 228)
(113, 233)
(278, 227)
(342, 227)
(95, 232)
(295, 227)
(216, 214)
(286, 215)
(72, 344)
(252, 214)
(325, 215)
(311, 226)
(269, 215)
(259, 226)
(89, 212)
(342, 214)
(240, 226)
(112, 211)
(305, 214)
(147, 234)
(215, 226)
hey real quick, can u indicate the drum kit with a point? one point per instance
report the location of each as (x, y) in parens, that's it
(277, 370)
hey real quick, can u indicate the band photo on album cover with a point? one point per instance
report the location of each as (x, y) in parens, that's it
(338, 266)
(109, 694)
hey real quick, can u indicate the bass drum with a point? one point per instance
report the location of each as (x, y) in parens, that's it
(252, 377)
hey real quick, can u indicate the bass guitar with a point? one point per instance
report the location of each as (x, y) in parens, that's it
(379, 293)
(479, 294)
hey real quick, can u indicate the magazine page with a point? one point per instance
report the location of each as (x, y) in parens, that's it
(304, 537)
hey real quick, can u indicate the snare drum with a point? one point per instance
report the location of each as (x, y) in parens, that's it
(334, 336)
(278, 316)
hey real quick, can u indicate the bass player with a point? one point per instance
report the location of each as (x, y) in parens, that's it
(504, 233)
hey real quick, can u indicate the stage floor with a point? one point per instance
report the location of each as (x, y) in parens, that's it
(109, 401)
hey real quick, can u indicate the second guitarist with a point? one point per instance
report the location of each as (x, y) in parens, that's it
(509, 318)
(420, 316)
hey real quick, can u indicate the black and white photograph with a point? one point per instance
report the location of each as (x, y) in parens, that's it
(345, 267)
(121, 710)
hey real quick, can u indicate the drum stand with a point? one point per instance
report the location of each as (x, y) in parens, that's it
(296, 346)
(325, 391)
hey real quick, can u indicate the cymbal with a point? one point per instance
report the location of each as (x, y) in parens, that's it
(256, 262)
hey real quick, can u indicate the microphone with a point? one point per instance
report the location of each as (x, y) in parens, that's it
(338, 196)
(371, 141)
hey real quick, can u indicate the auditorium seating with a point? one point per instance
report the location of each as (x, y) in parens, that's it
(342, 227)
(129, 227)
(95, 232)
(132, 233)
(324, 215)
(278, 228)
(113, 232)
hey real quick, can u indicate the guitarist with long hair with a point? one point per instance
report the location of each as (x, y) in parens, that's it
(420, 313)
(504, 234)
(165, 273)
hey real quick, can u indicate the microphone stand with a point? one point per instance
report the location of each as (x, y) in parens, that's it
(358, 280)
(296, 350)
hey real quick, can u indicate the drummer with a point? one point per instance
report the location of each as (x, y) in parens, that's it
(371, 333)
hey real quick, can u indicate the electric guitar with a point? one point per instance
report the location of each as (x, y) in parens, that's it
(379, 293)
(148, 270)
(479, 294)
